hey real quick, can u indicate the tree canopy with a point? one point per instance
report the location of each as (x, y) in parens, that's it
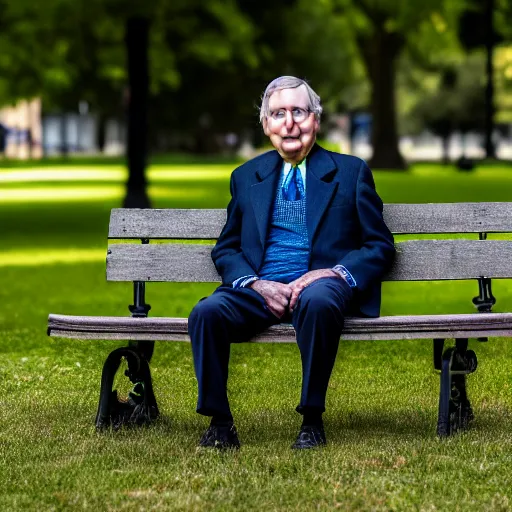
(209, 60)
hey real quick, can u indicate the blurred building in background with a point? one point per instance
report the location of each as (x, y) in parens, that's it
(31, 134)
(23, 129)
(72, 133)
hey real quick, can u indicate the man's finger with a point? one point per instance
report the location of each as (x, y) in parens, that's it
(284, 301)
(277, 298)
(295, 295)
(271, 307)
(288, 291)
(277, 310)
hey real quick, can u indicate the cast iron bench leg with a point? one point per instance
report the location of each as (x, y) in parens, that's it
(141, 407)
(455, 411)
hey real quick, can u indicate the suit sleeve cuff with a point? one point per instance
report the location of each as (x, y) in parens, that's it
(345, 274)
(244, 281)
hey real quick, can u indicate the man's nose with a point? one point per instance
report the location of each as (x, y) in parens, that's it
(289, 120)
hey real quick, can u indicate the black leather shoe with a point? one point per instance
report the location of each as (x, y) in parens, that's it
(310, 436)
(220, 437)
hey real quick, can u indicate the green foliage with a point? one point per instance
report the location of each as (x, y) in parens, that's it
(503, 83)
(320, 47)
(84, 58)
(211, 59)
(457, 104)
(31, 55)
(502, 17)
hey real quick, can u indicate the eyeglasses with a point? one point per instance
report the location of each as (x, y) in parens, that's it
(298, 114)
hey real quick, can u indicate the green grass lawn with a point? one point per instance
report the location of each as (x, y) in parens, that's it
(382, 404)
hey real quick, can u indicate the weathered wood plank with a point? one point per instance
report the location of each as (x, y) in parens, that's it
(400, 218)
(416, 260)
(271, 337)
(166, 224)
(169, 262)
(449, 218)
(431, 260)
(382, 328)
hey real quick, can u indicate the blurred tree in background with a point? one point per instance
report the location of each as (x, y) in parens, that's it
(457, 104)
(412, 65)
(384, 31)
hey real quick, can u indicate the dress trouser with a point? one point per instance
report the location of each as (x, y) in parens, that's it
(236, 315)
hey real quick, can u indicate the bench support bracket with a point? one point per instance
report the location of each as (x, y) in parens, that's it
(139, 308)
(140, 408)
(485, 300)
(455, 411)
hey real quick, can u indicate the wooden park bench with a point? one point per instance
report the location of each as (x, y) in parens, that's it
(417, 260)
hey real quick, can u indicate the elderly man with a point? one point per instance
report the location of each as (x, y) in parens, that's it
(304, 242)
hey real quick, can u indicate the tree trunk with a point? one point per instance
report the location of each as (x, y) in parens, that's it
(490, 150)
(64, 147)
(137, 30)
(380, 52)
(102, 132)
(446, 148)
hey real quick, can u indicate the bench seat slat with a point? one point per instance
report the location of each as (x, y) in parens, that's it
(383, 328)
(400, 218)
(416, 260)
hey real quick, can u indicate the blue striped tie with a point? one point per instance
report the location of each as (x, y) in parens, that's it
(293, 186)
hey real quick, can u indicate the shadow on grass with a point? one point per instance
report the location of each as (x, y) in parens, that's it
(375, 430)
(493, 421)
(376, 423)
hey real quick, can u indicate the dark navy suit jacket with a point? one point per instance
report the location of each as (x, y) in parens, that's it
(344, 221)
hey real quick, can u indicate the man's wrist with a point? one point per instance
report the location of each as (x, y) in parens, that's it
(251, 283)
(245, 281)
(342, 272)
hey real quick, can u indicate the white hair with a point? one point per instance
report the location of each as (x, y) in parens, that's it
(289, 82)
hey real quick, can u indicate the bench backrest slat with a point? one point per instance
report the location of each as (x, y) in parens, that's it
(417, 260)
(400, 218)
(166, 224)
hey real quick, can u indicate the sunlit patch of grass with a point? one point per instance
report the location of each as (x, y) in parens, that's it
(43, 174)
(436, 184)
(37, 257)
(156, 173)
(90, 193)
(60, 194)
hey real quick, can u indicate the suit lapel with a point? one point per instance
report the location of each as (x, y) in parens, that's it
(318, 192)
(262, 194)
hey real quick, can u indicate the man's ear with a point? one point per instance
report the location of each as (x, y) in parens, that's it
(317, 125)
(264, 123)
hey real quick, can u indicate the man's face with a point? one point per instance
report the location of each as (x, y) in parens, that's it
(290, 126)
